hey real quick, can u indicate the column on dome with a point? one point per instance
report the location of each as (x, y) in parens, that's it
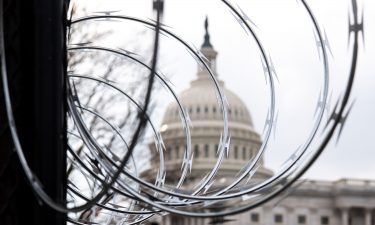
(290, 216)
(166, 220)
(344, 216)
(267, 215)
(368, 216)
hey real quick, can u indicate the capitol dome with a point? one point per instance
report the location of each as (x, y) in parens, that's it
(201, 103)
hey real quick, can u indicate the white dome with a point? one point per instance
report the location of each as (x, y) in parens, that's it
(202, 103)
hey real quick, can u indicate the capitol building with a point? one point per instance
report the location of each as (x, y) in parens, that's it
(341, 202)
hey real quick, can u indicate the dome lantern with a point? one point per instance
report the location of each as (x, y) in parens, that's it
(206, 43)
(209, 52)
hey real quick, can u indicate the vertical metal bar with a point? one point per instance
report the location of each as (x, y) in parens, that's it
(35, 54)
(49, 79)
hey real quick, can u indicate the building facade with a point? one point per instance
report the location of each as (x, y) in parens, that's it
(343, 202)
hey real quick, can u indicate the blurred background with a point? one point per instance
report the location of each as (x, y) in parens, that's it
(288, 37)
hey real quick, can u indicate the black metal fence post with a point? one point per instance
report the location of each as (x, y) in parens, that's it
(49, 108)
(35, 51)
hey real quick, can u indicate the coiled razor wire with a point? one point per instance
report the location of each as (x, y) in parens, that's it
(113, 186)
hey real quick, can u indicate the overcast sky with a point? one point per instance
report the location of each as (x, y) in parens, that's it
(287, 35)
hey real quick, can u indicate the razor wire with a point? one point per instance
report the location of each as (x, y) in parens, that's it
(114, 188)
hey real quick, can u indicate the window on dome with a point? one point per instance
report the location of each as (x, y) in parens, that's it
(206, 109)
(214, 109)
(196, 151)
(190, 110)
(301, 219)
(206, 149)
(216, 149)
(177, 152)
(235, 152)
(169, 153)
(198, 109)
(229, 111)
(254, 217)
(235, 112)
(324, 220)
(278, 218)
(244, 153)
